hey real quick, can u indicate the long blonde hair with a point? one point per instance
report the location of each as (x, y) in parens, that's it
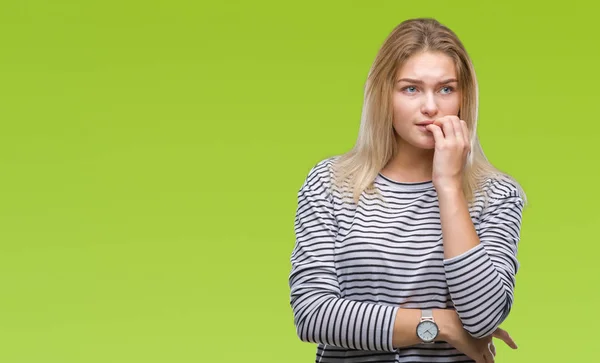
(376, 144)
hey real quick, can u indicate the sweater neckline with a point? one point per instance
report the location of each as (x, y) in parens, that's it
(404, 186)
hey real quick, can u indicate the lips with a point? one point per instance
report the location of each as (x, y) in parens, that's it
(425, 123)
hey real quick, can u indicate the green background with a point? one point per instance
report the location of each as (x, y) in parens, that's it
(150, 155)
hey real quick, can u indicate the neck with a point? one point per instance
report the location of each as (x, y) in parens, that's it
(410, 164)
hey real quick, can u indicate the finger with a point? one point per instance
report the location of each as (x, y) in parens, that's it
(458, 130)
(440, 123)
(505, 337)
(466, 134)
(438, 136)
(447, 127)
(489, 357)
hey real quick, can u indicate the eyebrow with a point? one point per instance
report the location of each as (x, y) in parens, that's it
(410, 80)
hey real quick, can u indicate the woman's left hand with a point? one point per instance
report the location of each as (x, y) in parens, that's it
(452, 145)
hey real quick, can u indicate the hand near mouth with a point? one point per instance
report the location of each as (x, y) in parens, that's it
(452, 145)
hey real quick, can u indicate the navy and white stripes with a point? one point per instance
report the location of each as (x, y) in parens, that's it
(353, 266)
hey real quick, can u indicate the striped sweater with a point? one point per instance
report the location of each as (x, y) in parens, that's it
(354, 265)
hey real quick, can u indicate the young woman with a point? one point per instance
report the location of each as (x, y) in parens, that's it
(406, 245)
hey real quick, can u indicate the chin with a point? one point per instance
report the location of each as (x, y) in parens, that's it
(424, 143)
(419, 142)
(430, 146)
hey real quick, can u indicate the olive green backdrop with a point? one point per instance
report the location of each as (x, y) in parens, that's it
(151, 151)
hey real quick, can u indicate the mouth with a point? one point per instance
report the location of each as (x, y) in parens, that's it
(425, 123)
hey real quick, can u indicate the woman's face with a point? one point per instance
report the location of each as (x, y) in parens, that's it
(426, 88)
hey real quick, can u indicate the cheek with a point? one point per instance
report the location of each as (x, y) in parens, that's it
(450, 109)
(454, 104)
(402, 109)
(449, 106)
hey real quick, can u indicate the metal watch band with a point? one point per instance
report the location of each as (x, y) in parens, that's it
(426, 314)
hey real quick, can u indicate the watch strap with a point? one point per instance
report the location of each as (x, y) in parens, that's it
(427, 314)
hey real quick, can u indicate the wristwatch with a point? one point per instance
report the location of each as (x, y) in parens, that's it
(427, 329)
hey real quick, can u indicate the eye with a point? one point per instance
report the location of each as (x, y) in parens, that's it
(410, 89)
(448, 89)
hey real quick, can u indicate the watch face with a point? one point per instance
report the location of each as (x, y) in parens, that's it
(427, 331)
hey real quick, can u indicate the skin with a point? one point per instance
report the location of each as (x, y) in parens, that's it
(436, 152)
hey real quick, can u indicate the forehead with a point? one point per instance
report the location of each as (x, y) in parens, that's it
(426, 66)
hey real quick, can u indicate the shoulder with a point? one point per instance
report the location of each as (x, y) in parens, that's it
(501, 192)
(320, 174)
(501, 187)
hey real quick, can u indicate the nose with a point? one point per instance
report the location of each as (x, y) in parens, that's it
(429, 106)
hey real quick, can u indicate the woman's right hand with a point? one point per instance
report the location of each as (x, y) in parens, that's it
(452, 331)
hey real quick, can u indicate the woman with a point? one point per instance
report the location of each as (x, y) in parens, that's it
(406, 245)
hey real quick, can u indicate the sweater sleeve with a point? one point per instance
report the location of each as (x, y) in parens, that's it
(321, 315)
(481, 281)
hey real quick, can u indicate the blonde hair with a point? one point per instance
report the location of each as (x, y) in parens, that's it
(376, 143)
